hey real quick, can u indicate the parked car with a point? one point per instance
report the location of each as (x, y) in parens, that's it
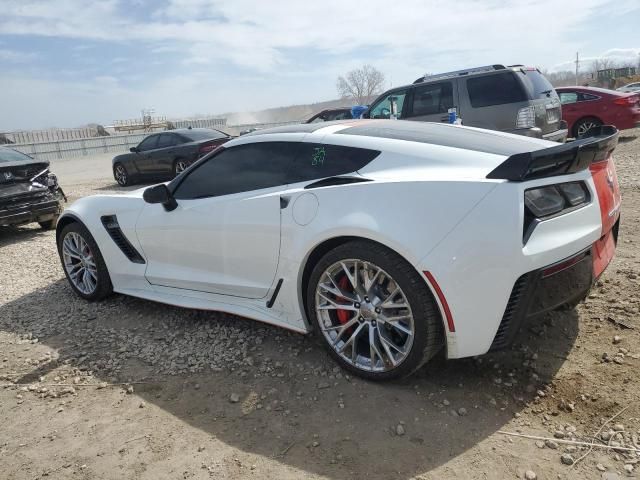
(29, 192)
(364, 233)
(630, 88)
(165, 155)
(330, 114)
(513, 99)
(586, 107)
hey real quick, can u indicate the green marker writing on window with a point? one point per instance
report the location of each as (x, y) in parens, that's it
(318, 157)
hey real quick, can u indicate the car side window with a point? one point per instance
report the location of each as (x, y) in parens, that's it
(238, 169)
(585, 97)
(148, 143)
(314, 161)
(568, 97)
(432, 99)
(340, 116)
(166, 140)
(383, 108)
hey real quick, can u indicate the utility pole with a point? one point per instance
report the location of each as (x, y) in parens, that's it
(577, 66)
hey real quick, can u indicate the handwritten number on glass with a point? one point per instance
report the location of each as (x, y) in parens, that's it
(318, 157)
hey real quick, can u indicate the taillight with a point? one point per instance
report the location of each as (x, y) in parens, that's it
(206, 148)
(626, 101)
(526, 118)
(541, 203)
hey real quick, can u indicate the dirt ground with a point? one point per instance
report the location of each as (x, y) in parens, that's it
(127, 388)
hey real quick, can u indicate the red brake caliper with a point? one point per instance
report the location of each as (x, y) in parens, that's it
(344, 315)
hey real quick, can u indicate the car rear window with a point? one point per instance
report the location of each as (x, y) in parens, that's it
(535, 83)
(8, 155)
(197, 135)
(495, 89)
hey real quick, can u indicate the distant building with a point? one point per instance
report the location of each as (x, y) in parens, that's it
(611, 73)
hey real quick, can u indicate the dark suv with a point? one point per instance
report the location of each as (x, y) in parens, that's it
(513, 99)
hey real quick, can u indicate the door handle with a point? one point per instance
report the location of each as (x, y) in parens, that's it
(445, 118)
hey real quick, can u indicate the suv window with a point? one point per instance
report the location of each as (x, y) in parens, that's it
(166, 140)
(315, 160)
(383, 108)
(433, 98)
(239, 169)
(536, 84)
(496, 89)
(148, 143)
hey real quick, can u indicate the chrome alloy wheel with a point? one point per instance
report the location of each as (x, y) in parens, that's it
(79, 263)
(364, 315)
(121, 175)
(181, 166)
(585, 127)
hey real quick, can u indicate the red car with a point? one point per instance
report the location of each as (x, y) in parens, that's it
(587, 107)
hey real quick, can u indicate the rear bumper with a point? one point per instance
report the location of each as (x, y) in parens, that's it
(534, 293)
(535, 132)
(557, 136)
(564, 283)
(30, 212)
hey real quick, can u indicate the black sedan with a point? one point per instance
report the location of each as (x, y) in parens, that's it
(165, 155)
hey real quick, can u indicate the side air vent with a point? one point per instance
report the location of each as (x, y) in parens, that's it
(508, 326)
(110, 223)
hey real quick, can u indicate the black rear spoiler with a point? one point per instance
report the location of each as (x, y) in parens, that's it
(567, 158)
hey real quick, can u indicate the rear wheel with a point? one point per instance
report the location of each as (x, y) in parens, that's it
(83, 264)
(373, 310)
(179, 166)
(121, 175)
(582, 127)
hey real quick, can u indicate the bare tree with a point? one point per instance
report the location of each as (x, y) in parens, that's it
(361, 84)
(603, 63)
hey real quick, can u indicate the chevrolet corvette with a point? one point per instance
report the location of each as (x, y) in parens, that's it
(391, 240)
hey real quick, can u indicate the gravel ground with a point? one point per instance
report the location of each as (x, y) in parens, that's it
(127, 388)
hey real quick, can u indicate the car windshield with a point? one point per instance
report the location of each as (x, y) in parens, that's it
(8, 155)
(204, 134)
(536, 84)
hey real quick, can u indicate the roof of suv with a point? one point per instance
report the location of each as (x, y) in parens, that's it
(468, 72)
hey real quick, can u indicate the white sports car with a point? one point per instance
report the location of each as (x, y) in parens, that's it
(391, 239)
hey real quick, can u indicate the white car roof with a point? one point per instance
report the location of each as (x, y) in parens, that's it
(439, 134)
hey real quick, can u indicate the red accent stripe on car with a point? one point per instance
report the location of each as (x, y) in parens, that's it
(443, 300)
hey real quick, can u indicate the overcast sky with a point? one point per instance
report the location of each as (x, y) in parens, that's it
(71, 62)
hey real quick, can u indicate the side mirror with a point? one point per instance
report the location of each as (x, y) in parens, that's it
(134, 150)
(160, 194)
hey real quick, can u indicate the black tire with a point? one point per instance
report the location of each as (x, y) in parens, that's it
(103, 288)
(121, 175)
(582, 126)
(429, 334)
(49, 224)
(178, 163)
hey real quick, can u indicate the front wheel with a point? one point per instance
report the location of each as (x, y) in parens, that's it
(83, 264)
(374, 312)
(48, 224)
